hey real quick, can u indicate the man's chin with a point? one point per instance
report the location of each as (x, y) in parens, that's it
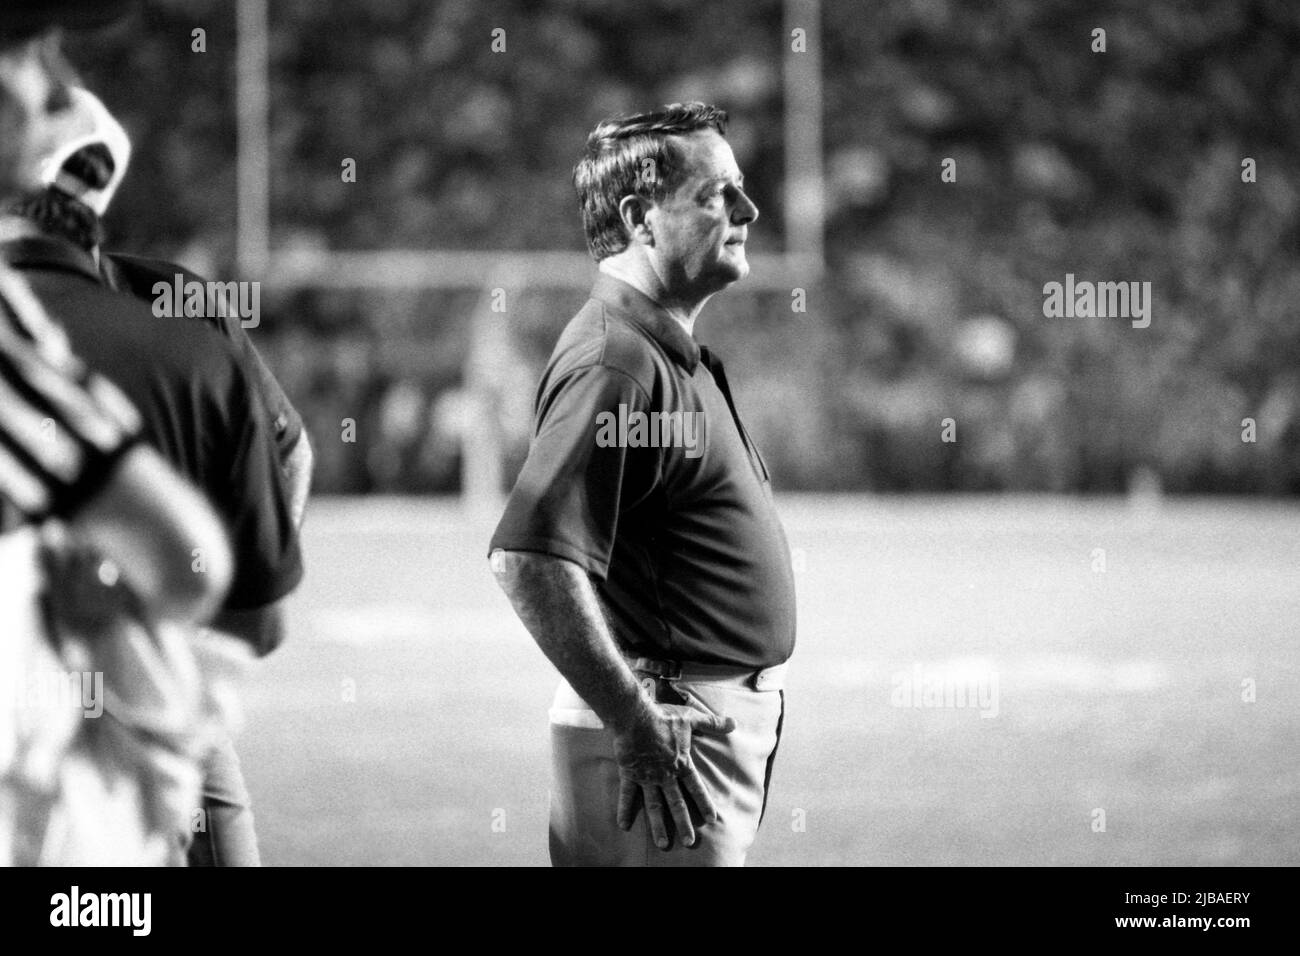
(721, 275)
(737, 267)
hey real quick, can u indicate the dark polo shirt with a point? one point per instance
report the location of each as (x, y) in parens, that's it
(198, 405)
(676, 525)
(138, 276)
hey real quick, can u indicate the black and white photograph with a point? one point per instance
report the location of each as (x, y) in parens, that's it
(771, 433)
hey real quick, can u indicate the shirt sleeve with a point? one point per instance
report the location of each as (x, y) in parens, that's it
(580, 475)
(248, 488)
(286, 423)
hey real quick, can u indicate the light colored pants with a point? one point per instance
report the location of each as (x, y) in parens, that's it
(736, 769)
(228, 837)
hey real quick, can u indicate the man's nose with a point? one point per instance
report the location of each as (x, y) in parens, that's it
(745, 212)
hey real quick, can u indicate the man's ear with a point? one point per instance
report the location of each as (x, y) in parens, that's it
(633, 211)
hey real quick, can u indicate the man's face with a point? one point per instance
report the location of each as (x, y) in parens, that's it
(34, 98)
(700, 227)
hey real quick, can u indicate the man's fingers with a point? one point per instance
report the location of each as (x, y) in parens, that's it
(627, 797)
(702, 723)
(681, 813)
(654, 814)
(699, 793)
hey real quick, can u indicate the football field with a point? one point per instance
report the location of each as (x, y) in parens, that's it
(998, 681)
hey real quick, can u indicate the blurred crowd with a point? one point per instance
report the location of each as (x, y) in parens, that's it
(1122, 164)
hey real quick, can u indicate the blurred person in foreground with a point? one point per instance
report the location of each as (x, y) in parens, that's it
(640, 545)
(81, 177)
(79, 490)
(201, 408)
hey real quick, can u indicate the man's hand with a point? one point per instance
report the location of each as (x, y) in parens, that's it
(654, 762)
(652, 742)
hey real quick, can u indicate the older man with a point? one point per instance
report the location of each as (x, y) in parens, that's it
(640, 545)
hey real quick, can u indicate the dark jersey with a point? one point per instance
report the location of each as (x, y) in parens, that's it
(140, 276)
(641, 472)
(198, 405)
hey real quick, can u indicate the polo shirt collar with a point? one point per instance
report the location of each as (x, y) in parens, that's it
(32, 249)
(634, 304)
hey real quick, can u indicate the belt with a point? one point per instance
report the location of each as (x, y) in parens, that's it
(760, 678)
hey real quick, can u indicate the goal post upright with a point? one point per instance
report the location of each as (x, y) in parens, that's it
(804, 203)
(253, 149)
